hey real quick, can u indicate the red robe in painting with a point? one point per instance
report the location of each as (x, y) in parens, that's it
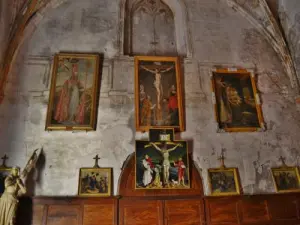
(149, 161)
(62, 108)
(181, 167)
(173, 102)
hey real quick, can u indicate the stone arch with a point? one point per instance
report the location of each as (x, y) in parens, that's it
(153, 18)
(181, 28)
(35, 11)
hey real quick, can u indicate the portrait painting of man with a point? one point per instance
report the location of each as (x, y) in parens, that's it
(286, 179)
(224, 181)
(236, 101)
(73, 96)
(95, 181)
(158, 93)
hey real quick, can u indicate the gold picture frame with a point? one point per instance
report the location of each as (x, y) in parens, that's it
(158, 93)
(95, 182)
(224, 181)
(4, 172)
(236, 101)
(73, 92)
(286, 179)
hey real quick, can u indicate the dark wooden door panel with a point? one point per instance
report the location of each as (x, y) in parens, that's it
(64, 215)
(222, 211)
(144, 212)
(99, 214)
(184, 212)
(254, 212)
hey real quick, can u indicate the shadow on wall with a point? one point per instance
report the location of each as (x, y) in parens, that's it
(25, 208)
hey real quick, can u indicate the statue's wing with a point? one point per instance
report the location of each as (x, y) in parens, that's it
(31, 163)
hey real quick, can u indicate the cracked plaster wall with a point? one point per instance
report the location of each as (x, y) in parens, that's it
(219, 36)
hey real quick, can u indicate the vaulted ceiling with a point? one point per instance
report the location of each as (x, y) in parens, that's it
(270, 17)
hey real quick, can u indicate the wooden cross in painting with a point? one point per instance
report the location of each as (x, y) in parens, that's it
(162, 162)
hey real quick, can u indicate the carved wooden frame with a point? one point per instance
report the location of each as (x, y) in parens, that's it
(178, 75)
(92, 125)
(236, 181)
(282, 169)
(243, 72)
(109, 182)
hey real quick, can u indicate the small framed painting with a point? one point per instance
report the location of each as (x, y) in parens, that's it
(286, 179)
(73, 92)
(95, 182)
(162, 165)
(236, 101)
(158, 94)
(224, 181)
(4, 172)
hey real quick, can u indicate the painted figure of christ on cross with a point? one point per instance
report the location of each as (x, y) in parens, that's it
(157, 69)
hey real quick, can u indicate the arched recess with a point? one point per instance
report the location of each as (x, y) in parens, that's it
(127, 184)
(178, 8)
(149, 28)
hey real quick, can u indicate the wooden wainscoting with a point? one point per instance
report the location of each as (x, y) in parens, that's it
(161, 212)
(69, 211)
(281, 209)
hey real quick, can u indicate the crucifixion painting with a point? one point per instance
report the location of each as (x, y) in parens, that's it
(162, 164)
(158, 93)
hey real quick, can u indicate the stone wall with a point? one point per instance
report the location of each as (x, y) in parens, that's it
(216, 35)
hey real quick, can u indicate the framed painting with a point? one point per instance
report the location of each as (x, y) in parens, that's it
(73, 92)
(162, 165)
(224, 181)
(158, 94)
(4, 172)
(286, 179)
(95, 182)
(236, 101)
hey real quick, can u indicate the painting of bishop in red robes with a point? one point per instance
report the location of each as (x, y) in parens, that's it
(73, 92)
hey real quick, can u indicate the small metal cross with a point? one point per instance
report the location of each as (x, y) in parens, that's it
(96, 161)
(282, 159)
(4, 158)
(222, 158)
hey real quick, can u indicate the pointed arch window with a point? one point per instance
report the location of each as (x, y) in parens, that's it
(149, 29)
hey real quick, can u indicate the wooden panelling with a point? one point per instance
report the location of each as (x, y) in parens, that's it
(37, 214)
(222, 211)
(99, 214)
(284, 207)
(184, 212)
(253, 211)
(63, 215)
(144, 212)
